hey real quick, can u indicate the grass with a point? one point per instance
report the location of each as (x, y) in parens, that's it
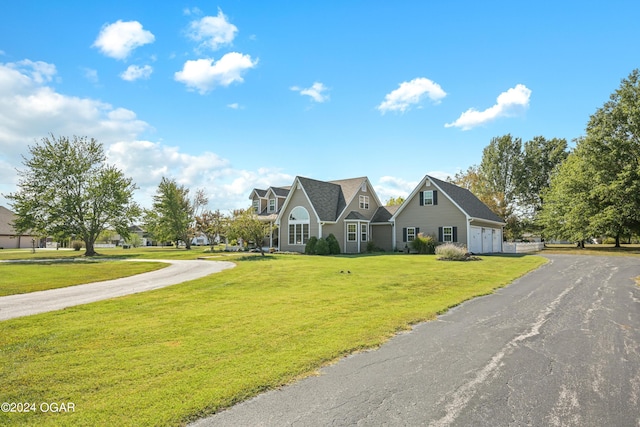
(154, 252)
(39, 276)
(590, 249)
(175, 354)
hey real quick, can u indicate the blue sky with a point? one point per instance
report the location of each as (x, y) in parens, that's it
(232, 95)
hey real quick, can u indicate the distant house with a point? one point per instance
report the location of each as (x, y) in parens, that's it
(9, 239)
(351, 210)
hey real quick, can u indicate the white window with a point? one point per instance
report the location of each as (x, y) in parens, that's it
(256, 205)
(299, 226)
(364, 232)
(364, 202)
(447, 234)
(428, 197)
(352, 232)
(411, 234)
(272, 205)
(364, 187)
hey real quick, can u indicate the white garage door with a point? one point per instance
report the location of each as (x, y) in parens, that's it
(487, 240)
(497, 240)
(475, 242)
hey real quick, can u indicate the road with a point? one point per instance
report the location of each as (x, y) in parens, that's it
(178, 271)
(558, 347)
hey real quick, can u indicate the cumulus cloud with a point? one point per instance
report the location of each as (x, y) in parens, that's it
(316, 92)
(411, 93)
(509, 103)
(204, 75)
(30, 109)
(119, 39)
(135, 72)
(212, 31)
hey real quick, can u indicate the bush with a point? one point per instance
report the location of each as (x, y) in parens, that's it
(334, 246)
(451, 252)
(322, 247)
(310, 247)
(424, 244)
(77, 245)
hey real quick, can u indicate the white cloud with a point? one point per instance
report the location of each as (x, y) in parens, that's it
(119, 39)
(316, 92)
(509, 103)
(212, 31)
(30, 110)
(205, 74)
(135, 72)
(234, 106)
(411, 93)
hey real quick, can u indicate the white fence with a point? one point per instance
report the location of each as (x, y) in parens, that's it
(521, 248)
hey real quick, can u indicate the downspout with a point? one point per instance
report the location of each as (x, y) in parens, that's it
(393, 236)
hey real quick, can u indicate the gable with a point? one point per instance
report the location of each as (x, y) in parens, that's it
(464, 200)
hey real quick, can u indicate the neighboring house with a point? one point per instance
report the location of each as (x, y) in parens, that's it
(351, 211)
(267, 204)
(8, 237)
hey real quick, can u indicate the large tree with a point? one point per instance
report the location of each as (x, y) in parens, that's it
(501, 167)
(246, 226)
(540, 159)
(172, 217)
(609, 167)
(212, 224)
(67, 189)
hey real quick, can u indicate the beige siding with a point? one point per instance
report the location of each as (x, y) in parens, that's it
(354, 206)
(429, 218)
(15, 242)
(297, 199)
(382, 236)
(337, 230)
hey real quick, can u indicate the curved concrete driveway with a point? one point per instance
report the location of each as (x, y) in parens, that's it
(56, 299)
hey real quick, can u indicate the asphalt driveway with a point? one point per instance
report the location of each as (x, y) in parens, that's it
(558, 347)
(178, 271)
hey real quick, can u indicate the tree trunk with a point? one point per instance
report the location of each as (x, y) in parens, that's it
(90, 250)
(617, 245)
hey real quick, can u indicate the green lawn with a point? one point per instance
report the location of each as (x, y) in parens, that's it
(153, 252)
(591, 249)
(39, 276)
(172, 355)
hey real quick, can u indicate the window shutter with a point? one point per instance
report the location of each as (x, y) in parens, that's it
(422, 198)
(435, 197)
(404, 234)
(455, 234)
(440, 235)
(417, 231)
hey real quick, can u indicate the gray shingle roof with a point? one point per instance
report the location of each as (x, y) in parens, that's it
(384, 213)
(281, 191)
(467, 201)
(329, 198)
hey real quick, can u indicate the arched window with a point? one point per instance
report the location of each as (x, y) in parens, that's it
(298, 226)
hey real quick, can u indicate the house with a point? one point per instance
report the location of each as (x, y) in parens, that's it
(9, 239)
(267, 204)
(351, 210)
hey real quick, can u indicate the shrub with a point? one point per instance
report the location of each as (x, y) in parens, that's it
(451, 252)
(77, 245)
(310, 247)
(424, 244)
(334, 246)
(322, 247)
